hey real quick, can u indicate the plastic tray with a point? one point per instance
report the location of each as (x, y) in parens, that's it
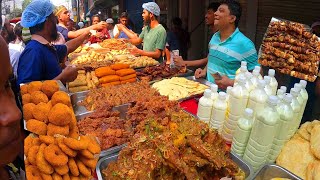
(270, 171)
(103, 163)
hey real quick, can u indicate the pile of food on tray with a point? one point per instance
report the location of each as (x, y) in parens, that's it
(84, 81)
(160, 72)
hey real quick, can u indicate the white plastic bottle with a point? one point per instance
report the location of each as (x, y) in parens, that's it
(228, 91)
(273, 81)
(304, 93)
(268, 87)
(282, 135)
(249, 85)
(242, 133)
(239, 97)
(258, 97)
(218, 114)
(214, 92)
(300, 98)
(262, 134)
(258, 68)
(255, 77)
(296, 106)
(243, 70)
(280, 95)
(284, 88)
(243, 63)
(205, 106)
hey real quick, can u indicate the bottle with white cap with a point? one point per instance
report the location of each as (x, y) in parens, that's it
(214, 91)
(263, 131)
(296, 106)
(255, 77)
(228, 91)
(268, 87)
(243, 63)
(239, 96)
(249, 85)
(205, 106)
(219, 110)
(243, 70)
(258, 97)
(304, 93)
(273, 81)
(285, 122)
(258, 68)
(300, 98)
(280, 95)
(242, 132)
(284, 88)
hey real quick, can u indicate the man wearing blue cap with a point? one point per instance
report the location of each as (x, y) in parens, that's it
(153, 34)
(40, 59)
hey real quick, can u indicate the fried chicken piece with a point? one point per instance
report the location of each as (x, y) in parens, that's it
(49, 87)
(41, 111)
(28, 111)
(60, 97)
(26, 98)
(38, 97)
(34, 86)
(60, 115)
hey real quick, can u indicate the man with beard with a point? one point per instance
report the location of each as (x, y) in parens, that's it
(209, 19)
(153, 34)
(40, 59)
(63, 16)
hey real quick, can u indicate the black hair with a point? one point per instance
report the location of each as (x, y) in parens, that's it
(96, 15)
(234, 8)
(213, 6)
(124, 15)
(37, 28)
(177, 21)
(18, 30)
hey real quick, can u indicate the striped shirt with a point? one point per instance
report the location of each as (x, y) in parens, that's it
(225, 57)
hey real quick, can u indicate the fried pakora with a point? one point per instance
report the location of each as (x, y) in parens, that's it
(26, 98)
(60, 115)
(24, 89)
(28, 111)
(49, 87)
(34, 86)
(53, 129)
(41, 111)
(60, 97)
(37, 127)
(38, 97)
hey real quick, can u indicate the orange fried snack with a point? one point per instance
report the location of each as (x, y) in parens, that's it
(55, 156)
(24, 89)
(128, 77)
(53, 129)
(119, 66)
(60, 97)
(32, 172)
(41, 111)
(42, 164)
(37, 127)
(60, 114)
(26, 98)
(49, 87)
(38, 97)
(34, 86)
(28, 111)
(125, 72)
(108, 79)
(129, 81)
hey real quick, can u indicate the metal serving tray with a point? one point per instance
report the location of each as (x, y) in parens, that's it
(76, 98)
(200, 80)
(103, 164)
(270, 171)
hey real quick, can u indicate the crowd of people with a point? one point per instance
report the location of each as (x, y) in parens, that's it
(36, 49)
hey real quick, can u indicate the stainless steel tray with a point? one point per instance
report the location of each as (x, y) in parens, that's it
(270, 171)
(200, 80)
(76, 98)
(103, 164)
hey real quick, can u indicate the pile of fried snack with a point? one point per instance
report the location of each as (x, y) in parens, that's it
(136, 62)
(115, 74)
(178, 88)
(292, 49)
(301, 155)
(84, 81)
(114, 44)
(55, 149)
(160, 72)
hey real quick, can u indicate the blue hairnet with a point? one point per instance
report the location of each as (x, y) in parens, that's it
(152, 7)
(36, 12)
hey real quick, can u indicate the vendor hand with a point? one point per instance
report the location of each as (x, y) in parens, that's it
(224, 82)
(120, 27)
(178, 61)
(200, 73)
(135, 51)
(69, 74)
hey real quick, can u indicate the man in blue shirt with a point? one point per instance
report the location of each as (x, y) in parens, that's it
(124, 20)
(40, 59)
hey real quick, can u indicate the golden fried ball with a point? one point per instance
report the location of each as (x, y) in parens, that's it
(49, 104)
(38, 97)
(34, 86)
(28, 111)
(24, 89)
(41, 111)
(26, 98)
(60, 115)
(37, 127)
(49, 87)
(61, 97)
